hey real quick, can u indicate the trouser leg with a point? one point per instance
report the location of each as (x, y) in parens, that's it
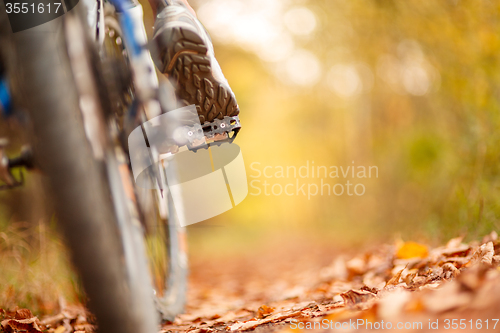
(159, 5)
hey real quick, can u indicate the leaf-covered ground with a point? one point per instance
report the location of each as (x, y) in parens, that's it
(406, 286)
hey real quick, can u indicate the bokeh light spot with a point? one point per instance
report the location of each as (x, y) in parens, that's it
(344, 80)
(303, 68)
(300, 21)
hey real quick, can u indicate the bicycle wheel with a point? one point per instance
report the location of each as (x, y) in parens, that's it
(165, 239)
(77, 155)
(167, 253)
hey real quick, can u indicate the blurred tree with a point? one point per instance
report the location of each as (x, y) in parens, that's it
(409, 86)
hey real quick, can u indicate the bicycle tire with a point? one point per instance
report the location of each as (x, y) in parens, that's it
(79, 182)
(169, 275)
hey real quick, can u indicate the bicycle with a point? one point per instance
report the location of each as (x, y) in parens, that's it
(85, 90)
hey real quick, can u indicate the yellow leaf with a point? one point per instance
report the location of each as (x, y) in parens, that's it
(60, 329)
(410, 250)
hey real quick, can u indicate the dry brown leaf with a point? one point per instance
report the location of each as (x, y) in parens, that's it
(257, 322)
(395, 279)
(200, 330)
(410, 250)
(449, 270)
(372, 290)
(281, 316)
(392, 304)
(488, 252)
(374, 281)
(449, 297)
(430, 286)
(408, 275)
(458, 262)
(17, 313)
(461, 250)
(484, 254)
(264, 311)
(51, 321)
(454, 242)
(353, 297)
(356, 266)
(244, 325)
(23, 314)
(29, 325)
(473, 278)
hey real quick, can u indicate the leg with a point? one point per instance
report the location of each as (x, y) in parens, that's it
(158, 5)
(186, 56)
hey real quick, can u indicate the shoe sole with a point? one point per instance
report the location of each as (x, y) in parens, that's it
(186, 61)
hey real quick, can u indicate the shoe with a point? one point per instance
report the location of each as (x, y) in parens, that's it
(186, 56)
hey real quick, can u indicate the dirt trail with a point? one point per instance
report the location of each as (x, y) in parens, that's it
(407, 283)
(406, 286)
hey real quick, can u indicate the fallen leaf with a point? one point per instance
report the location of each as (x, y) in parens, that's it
(353, 297)
(449, 270)
(29, 325)
(60, 329)
(410, 250)
(17, 313)
(372, 290)
(473, 278)
(395, 279)
(244, 326)
(247, 325)
(488, 252)
(356, 266)
(447, 298)
(392, 304)
(454, 242)
(484, 254)
(410, 276)
(264, 311)
(200, 330)
(462, 250)
(50, 321)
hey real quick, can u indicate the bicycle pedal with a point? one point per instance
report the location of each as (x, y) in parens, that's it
(216, 132)
(194, 136)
